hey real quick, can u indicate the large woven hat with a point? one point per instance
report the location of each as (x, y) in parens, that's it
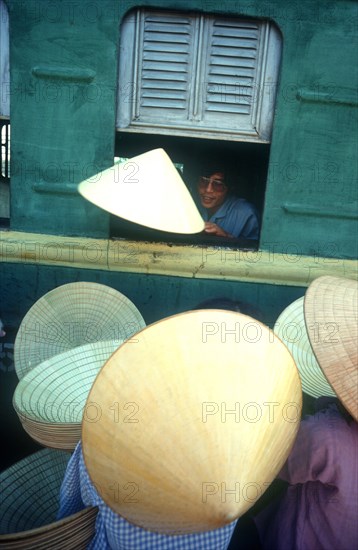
(208, 406)
(72, 315)
(50, 399)
(147, 190)
(29, 503)
(331, 315)
(291, 329)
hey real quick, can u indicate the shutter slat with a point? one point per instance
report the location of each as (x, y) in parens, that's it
(164, 84)
(158, 93)
(167, 28)
(228, 72)
(233, 63)
(246, 53)
(157, 75)
(234, 24)
(230, 108)
(230, 81)
(163, 103)
(227, 42)
(176, 68)
(178, 49)
(166, 38)
(164, 18)
(231, 91)
(160, 57)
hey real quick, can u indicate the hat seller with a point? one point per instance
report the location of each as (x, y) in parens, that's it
(320, 507)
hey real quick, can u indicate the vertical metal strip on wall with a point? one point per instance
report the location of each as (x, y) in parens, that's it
(4, 61)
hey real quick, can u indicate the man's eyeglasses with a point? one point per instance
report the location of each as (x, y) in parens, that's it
(217, 185)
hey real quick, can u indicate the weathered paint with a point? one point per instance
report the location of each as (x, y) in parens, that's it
(63, 101)
(198, 262)
(63, 81)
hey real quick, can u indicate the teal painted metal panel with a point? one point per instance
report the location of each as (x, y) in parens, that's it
(63, 85)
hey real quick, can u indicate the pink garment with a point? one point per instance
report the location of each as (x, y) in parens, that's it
(320, 509)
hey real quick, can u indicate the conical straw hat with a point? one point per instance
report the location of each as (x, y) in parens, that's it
(291, 329)
(208, 407)
(30, 490)
(50, 398)
(72, 315)
(29, 504)
(147, 190)
(331, 315)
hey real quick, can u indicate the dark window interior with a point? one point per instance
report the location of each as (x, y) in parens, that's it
(245, 164)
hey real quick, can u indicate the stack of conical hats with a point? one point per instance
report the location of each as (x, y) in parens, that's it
(29, 504)
(62, 343)
(50, 399)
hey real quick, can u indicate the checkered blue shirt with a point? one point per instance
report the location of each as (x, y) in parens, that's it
(113, 531)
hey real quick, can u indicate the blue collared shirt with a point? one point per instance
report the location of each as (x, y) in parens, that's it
(113, 532)
(236, 216)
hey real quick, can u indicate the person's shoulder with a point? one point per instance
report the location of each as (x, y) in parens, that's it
(238, 203)
(330, 419)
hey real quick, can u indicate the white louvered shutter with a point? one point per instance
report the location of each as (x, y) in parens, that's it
(156, 59)
(197, 75)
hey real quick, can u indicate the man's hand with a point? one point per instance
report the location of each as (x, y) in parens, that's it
(214, 229)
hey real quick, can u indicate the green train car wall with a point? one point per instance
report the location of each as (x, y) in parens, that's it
(266, 89)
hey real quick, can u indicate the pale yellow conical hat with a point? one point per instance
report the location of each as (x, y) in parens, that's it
(290, 327)
(331, 315)
(146, 190)
(193, 422)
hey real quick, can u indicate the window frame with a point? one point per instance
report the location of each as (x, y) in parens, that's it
(130, 100)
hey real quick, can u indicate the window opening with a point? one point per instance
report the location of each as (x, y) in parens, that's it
(202, 87)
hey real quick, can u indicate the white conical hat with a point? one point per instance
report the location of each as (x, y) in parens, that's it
(147, 190)
(49, 400)
(291, 329)
(192, 422)
(72, 315)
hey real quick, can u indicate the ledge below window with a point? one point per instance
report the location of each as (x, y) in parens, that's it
(169, 259)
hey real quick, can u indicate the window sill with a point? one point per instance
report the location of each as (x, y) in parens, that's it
(190, 261)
